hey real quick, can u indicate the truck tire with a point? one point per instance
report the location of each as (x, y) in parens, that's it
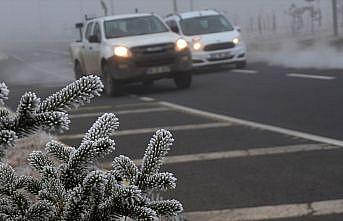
(183, 80)
(78, 70)
(112, 87)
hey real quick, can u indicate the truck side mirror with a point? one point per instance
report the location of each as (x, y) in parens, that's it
(237, 28)
(94, 39)
(79, 25)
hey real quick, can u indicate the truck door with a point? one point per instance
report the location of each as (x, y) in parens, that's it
(87, 48)
(94, 50)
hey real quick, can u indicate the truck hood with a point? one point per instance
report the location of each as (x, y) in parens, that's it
(142, 40)
(215, 37)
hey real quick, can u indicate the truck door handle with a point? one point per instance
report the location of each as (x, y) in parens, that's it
(83, 46)
(90, 48)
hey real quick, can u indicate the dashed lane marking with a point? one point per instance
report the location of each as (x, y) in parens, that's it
(92, 108)
(151, 130)
(270, 212)
(318, 77)
(37, 68)
(241, 153)
(137, 111)
(113, 107)
(243, 71)
(146, 99)
(66, 53)
(224, 118)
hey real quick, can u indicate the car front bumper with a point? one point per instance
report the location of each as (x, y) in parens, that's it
(149, 67)
(206, 58)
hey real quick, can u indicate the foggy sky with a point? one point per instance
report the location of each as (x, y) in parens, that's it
(42, 20)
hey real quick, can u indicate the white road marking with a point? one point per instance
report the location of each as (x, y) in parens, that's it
(109, 107)
(37, 68)
(248, 153)
(270, 212)
(318, 77)
(151, 130)
(252, 124)
(243, 71)
(56, 52)
(136, 111)
(146, 99)
(240, 153)
(91, 108)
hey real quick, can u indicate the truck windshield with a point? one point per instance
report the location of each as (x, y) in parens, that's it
(205, 25)
(134, 26)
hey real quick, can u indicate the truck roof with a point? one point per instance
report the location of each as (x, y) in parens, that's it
(193, 14)
(121, 16)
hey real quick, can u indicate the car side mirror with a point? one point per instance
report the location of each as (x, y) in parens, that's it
(175, 29)
(94, 39)
(237, 28)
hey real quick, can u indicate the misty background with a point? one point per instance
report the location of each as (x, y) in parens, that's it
(273, 33)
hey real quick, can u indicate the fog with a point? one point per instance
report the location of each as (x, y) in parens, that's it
(264, 24)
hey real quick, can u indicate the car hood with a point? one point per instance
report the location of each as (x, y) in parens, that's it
(215, 37)
(142, 40)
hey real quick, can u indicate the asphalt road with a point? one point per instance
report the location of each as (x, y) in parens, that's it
(247, 141)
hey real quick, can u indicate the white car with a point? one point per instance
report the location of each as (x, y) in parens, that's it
(213, 39)
(131, 48)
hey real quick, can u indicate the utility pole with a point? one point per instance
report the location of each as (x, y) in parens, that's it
(175, 6)
(104, 7)
(192, 5)
(334, 17)
(112, 6)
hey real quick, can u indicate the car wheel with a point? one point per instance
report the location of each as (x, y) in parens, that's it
(112, 87)
(78, 70)
(183, 80)
(241, 64)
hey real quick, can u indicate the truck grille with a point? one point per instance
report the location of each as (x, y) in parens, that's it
(154, 55)
(153, 49)
(219, 46)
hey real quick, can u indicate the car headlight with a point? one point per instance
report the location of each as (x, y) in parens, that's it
(181, 44)
(197, 46)
(122, 51)
(236, 41)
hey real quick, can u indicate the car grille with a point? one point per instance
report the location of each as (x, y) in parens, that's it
(219, 46)
(154, 55)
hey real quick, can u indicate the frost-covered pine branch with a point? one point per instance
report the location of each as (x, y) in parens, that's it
(32, 114)
(3, 93)
(70, 185)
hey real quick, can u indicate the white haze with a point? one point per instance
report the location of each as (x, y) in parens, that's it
(293, 53)
(49, 24)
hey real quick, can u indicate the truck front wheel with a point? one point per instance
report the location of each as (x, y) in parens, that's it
(112, 87)
(183, 80)
(78, 70)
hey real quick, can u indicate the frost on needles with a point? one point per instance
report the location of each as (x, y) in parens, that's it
(69, 184)
(32, 114)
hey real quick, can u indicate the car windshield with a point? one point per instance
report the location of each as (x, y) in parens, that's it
(134, 26)
(205, 25)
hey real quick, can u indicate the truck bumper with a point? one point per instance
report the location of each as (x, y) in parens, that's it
(149, 67)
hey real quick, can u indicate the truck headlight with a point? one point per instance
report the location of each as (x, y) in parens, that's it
(122, 51)
(181, 44)
(236, 41)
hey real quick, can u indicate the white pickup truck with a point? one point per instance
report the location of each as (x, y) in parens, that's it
(131, 48)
